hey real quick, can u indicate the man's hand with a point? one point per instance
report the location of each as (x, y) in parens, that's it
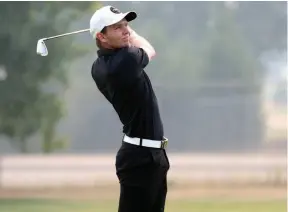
(140, 42)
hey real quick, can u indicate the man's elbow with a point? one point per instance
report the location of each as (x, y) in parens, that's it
(153, 52)
(150, 52)
(152, 55)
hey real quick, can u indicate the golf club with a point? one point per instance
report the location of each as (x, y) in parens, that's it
(41, 46)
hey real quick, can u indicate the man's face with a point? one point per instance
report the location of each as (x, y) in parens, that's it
(116, 35)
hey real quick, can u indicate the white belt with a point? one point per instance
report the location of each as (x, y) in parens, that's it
(146, 142)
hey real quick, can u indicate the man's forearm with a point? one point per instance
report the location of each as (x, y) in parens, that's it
(140, 42)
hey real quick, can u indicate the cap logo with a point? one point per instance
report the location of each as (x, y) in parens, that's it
(114, 10)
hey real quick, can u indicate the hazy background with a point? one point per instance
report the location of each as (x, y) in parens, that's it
(219, 76)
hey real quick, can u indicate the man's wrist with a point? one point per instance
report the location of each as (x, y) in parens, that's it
(132, 32)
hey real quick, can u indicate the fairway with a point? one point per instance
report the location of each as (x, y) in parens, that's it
(180, 199)
(33, 205)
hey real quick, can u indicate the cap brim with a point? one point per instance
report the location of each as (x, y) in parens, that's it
(130, 16)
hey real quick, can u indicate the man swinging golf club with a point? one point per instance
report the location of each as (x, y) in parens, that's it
(141, 161)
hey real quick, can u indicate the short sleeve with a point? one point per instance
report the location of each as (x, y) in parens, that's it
(130, 64)
(137, 56)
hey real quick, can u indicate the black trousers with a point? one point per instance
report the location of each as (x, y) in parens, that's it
(142, 174)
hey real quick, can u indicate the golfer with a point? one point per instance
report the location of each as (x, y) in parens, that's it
(141, 161)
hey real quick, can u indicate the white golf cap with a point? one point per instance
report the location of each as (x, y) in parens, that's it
(107, 16)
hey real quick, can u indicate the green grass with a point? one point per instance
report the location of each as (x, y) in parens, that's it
(30, 205)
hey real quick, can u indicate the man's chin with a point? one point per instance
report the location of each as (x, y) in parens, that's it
(121, 46)
(126, 45)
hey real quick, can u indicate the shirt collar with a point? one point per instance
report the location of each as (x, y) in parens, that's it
(104, 52)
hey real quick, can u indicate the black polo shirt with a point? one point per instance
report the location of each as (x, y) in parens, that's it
(120, 77)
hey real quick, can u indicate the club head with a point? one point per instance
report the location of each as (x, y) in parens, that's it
(41, 48)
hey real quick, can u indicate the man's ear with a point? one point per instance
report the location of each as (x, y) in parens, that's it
(101, 37)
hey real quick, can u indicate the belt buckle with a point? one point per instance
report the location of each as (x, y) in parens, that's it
(164, 143)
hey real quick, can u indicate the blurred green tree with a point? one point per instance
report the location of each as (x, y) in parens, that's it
(30, 99)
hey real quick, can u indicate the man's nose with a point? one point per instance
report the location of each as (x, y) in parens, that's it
(126, 31)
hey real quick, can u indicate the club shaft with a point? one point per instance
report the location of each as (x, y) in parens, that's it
(70, 33)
